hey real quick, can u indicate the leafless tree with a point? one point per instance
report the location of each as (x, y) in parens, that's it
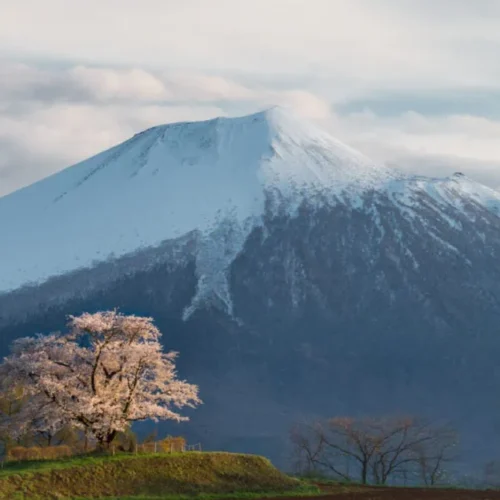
(373, 449)
(313, 453)
(435, 455)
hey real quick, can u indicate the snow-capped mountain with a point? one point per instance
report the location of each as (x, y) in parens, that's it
(171, 180)
(174, 179)
(294, 275)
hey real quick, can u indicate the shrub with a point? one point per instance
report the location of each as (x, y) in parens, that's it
(19, 453)
(168, 445)
(173, 444)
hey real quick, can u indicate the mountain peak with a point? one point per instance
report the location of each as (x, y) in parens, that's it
(171, 180)
(192, 177)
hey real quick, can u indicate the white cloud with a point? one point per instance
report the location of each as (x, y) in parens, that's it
(353, 47)
(42, 141)
(98, 84)
(53, 118)
(411, 133)
(118, 84)
(191, 86)
(303, 103)
(435, 146)
(171, 60)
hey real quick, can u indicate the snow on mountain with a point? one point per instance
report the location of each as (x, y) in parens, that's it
(214, 177)
(164, 183)
(457, 188)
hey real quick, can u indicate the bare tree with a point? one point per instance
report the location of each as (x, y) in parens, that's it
(414, 447)
(436, 454)
(373, 449)
(340, 447)
(314, 455)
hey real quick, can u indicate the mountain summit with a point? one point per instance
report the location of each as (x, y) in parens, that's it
(173, 179)
(168, 181)
(295, 276)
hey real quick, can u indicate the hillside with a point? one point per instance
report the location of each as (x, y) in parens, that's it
(179, 474)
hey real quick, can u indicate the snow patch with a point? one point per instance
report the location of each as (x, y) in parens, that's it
(217, 249)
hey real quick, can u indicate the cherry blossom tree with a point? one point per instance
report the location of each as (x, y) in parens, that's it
(107, 371)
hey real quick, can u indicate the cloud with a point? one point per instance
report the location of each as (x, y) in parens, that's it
(412, 83)
(54, 117)
(303, 103)
(22, 83)
(42, 141)
(465, 136)
(78, 84)
(106, 84)
(429, 145)
(346, 48)
(191, 86)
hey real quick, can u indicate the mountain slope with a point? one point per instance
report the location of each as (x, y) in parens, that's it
(168, 181)
(295, 276)
(171, 180)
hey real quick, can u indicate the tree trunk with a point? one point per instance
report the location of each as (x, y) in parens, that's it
(109, 438)
(364, 472)
(104, 441)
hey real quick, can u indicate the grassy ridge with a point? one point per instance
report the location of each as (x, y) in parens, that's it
(146, 476)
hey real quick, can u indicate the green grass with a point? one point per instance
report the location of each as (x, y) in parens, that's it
(243, 495)
(205, 476)
(79, 461)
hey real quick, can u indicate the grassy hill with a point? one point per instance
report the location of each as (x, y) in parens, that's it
(145, 476)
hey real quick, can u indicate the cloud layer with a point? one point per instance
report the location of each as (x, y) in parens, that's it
(52, 118)
(389, 77)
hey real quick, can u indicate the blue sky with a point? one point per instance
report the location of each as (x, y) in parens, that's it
(410, 83)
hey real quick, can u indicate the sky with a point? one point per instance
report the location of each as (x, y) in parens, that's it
(415, 84)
